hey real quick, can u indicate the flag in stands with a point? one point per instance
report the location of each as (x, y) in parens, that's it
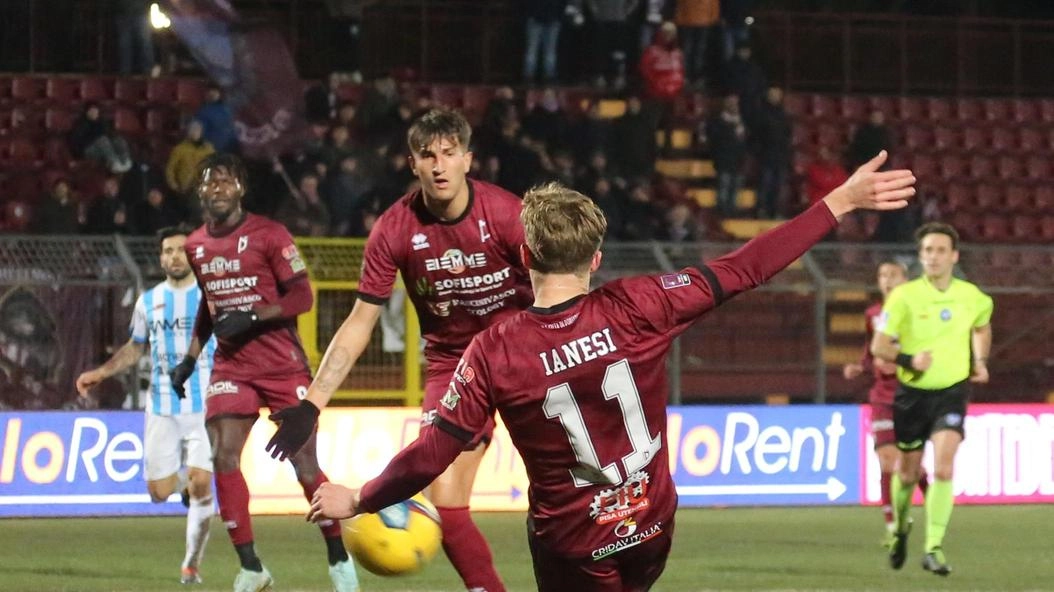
(251, 62)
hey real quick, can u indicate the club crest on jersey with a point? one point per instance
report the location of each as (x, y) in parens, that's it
(243, 243)
(675, 280)
(450, 399)
(455, 261)
(419, 241)
(221, 266)
(292, 255)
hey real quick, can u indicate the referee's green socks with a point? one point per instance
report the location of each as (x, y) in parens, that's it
(900, 495)
(940, 499)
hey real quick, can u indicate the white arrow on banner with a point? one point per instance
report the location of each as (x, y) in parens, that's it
(833, 489)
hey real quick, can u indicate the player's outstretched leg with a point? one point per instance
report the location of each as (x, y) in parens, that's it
(462, 541)
(898, 546)
(199, 515)
(341, 567)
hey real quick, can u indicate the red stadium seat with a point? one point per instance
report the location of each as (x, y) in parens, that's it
(1009, 168)
(1003, 139)
(448, 95)
(982, 167)
(924, 166)
(1046, 110)
(952, 167)
(996, 110)
(28, 120)
(938, 109)
(161, 90)
(1018, 198)
(1029, 139)
(967, 224)
(58, 120)
(853, 108)
(995, 228)
(27, 89)
(190, 93)
(831, 135)
(958, 197)
(20, 151)
(887, 105)
(988, 198)
(917, 137)
(24, 185)
(1037, 168)
(968, 110)
(801, 136)
(974, 138)
(1025, 111)
(62, 90)
(946, 138)
(130, 91)
(1024, 228)
(17, 216)
(1043, 198)
(1046, 228)
(96, 89)
(126, 121)
(57, 152)
(910, 109)
(823, 106)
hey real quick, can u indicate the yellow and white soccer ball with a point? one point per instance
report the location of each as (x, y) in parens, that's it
(400, 539)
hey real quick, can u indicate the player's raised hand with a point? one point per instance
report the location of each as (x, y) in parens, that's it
(87, 381)
(295, 426)
(871, 189)
(851, 371)
(333, 501)
(181, 373)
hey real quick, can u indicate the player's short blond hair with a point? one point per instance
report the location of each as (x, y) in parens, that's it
(562, 227)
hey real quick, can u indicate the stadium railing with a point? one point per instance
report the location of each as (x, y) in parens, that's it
(785, 341)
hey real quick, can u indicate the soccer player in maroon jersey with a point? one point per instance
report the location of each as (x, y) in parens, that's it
(890, 275)
(456, 243)
(580, 381)
(254, 285)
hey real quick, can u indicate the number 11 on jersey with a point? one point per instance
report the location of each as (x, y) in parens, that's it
(618, 384)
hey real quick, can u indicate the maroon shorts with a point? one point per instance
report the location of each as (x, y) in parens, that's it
(238, 396)
(437, 381)
(631, 570)
(882, 424)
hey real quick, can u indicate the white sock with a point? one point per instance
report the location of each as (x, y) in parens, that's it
(199, 516)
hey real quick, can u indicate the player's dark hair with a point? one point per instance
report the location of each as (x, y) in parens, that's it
(223, 160)
(170, 231)
(562, 228)
(937, 228)
(438, 124)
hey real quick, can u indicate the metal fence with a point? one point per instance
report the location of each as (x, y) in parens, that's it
(67, 301)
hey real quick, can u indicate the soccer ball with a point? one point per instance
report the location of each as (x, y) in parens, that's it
(400, 539)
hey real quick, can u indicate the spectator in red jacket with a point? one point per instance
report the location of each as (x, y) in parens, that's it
(823, 175)
(662, 66)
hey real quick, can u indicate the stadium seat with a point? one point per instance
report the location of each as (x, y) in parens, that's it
(853, 108)
(17, 216)
(130, 91)
(995, 228)
(1037, 168)
(982, 167)
(27, 89)
(24, 185)
(958, 197)
(938, 109)
(190, 93)
(1024, 111)
(126, 120)
(988, 197)
(1009, 168)
(924, 166)
(967, 224)
(1024, 228)
(822, 106)
(58, 120)
(831, 135)
(163, 120)
(968, 110)
(946, 138)
(1018, 198)
(801, 136)
(974, 138)
(952, 166)
(161, 91)
(21, 151)
(96, 89)
(917, 137)
(1046, 110)
(887, 105)
(1029, 139)
(910, 109)
(448, 95)
(1043, 198)
(61, 90)
(1046, 228)
(796, 104)
(1003, 139)
(996, 110)
(28, 120)
(56, 152)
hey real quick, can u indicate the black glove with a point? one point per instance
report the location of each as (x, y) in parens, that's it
(181, 373)
(295, 426)
(233, 323)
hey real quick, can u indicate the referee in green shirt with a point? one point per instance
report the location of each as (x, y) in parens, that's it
(936, 328)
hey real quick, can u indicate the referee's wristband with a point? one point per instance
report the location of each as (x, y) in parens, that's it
(904, 361)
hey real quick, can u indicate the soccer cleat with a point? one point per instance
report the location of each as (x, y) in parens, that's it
(253, 581)
(190, 575)
(898, 548)
(935, 562)
(344, 577)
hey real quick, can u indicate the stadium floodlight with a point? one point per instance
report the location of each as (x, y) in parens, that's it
(158, 19)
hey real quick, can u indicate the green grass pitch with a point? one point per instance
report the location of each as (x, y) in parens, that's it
(997, 548)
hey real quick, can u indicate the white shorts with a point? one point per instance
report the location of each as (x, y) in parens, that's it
(172, 441)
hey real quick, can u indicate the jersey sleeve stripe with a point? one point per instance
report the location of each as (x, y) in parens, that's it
(715, 285)
(455, 431)
(372, 299)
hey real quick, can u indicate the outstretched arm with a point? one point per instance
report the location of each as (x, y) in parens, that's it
(121, 360)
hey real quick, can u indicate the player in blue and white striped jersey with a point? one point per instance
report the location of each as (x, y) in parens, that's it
(175, 425)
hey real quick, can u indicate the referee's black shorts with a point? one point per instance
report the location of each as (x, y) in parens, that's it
(917, 413)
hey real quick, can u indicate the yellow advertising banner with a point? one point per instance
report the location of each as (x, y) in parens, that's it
(355, 444)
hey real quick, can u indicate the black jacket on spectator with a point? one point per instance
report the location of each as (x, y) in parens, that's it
(86, 131)
(867, 142)
(544, 11)
(54, 217)
(727, 149)
(107, 215)
(772, 135)
(635, 144)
